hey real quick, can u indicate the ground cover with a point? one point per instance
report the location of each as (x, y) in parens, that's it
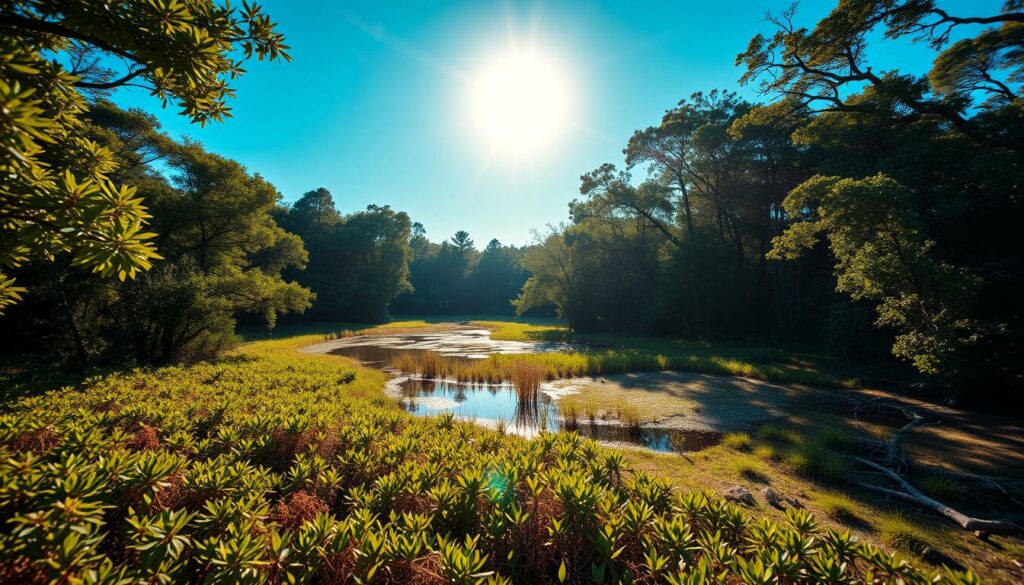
(274, 466)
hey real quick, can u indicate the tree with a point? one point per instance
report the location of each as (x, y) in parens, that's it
(361, 263)
(882, 254)
(817, 68)
(552, 276)
(224, 254)
(56, 194)
(314, 215)
(462, 242)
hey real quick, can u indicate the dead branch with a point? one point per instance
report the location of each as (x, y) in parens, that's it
(913, 495)
(986, 482)
(894, 450)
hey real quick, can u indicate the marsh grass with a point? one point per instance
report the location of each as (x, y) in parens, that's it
(629, 416)
(616, 353)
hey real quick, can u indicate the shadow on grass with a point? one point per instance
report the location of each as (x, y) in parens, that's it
(24, 376)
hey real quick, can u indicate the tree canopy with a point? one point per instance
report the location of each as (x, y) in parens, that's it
(57, 195)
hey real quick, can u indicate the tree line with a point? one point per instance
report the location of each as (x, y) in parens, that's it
(874, 211)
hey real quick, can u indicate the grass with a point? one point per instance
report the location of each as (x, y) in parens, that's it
(897, 532)
(772, 432)
(839, 506)
(617, 353)
(751, 469)
(942, 488)
(737, 441)
(604, 354)
(815, 461)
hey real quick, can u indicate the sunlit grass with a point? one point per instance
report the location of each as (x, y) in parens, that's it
(737, 441)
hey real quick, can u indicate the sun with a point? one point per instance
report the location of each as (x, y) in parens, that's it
(519, 102)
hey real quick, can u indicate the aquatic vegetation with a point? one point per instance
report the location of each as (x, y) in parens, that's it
(269, 466)
(625, 355)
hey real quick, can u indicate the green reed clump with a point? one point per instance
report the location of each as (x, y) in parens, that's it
(277, 467)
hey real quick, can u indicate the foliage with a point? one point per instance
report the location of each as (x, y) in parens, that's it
(882, 254)
(453, 277)
(224, 256)
(58, 195)
(270, 466)
(358, 263)
(913, 180)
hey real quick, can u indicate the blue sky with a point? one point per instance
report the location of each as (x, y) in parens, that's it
(372, 105)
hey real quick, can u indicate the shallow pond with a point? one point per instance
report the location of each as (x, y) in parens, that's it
(487, 404)
(465, 344)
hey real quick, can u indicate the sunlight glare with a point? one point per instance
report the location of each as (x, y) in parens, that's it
(520, 102)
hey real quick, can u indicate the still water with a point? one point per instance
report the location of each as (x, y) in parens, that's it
(487, 404)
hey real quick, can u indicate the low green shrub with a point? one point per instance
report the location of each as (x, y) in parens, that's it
(274, 467)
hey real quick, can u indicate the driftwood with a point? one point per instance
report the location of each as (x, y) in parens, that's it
(913, 495)
(893, 457)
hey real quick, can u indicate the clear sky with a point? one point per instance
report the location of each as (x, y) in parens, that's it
(377, 103)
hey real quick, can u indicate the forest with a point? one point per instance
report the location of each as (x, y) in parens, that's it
(848, 229)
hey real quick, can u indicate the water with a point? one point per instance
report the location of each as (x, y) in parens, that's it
(460, 344)
(487, 404)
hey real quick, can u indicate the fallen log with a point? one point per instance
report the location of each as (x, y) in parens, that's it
(915, 496)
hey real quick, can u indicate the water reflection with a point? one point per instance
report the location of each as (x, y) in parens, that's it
(490, 403)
